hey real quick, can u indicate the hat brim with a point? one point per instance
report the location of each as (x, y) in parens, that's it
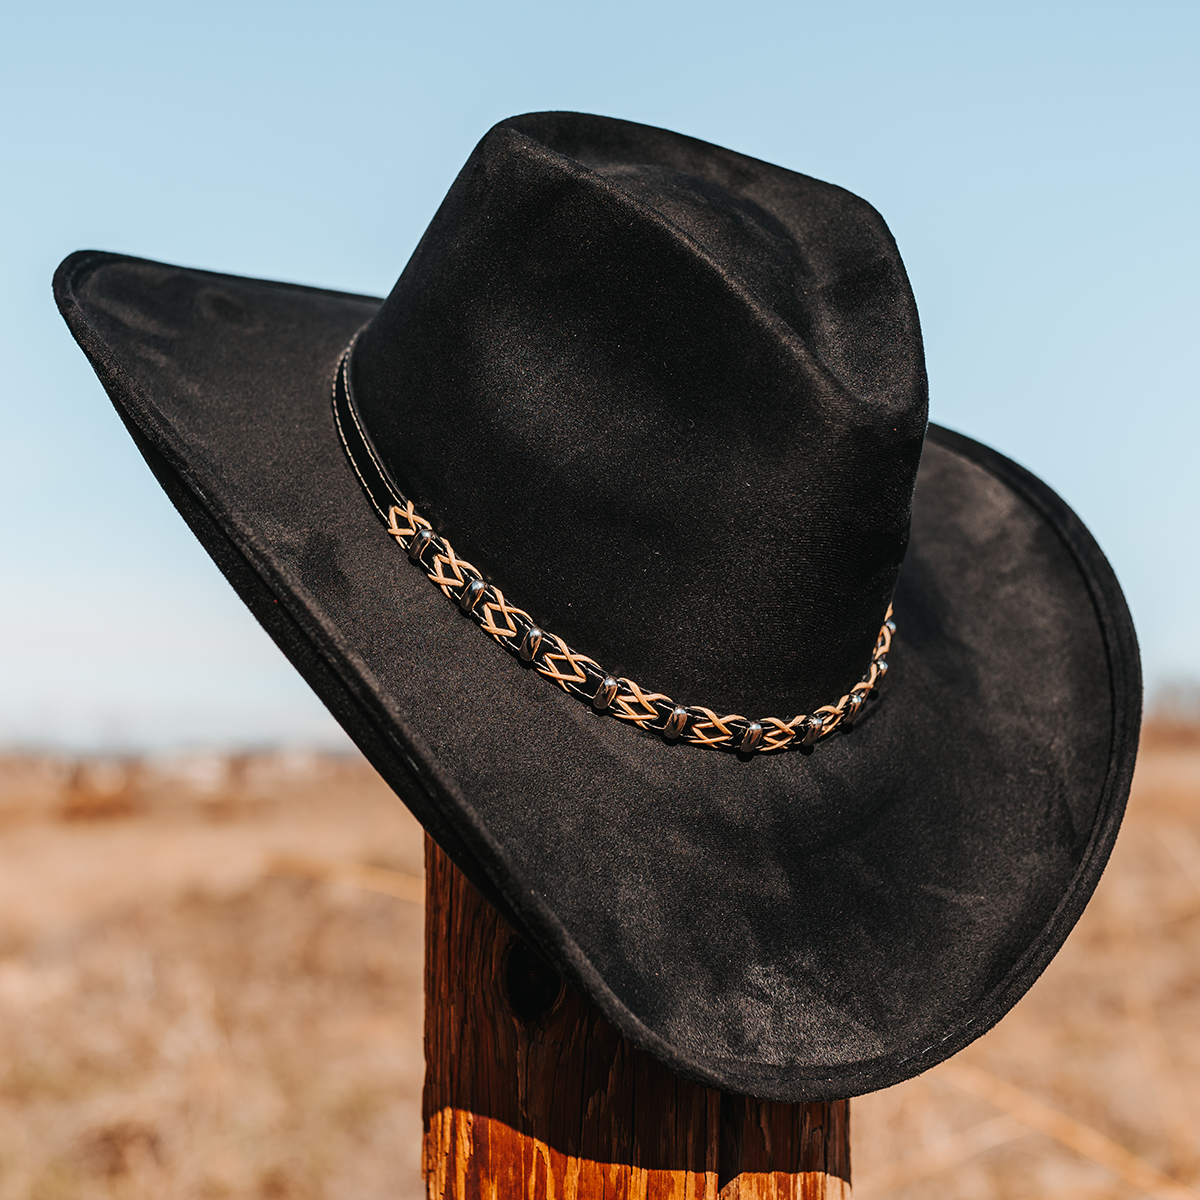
(796, 926)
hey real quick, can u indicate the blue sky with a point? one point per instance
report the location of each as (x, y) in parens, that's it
(1037, 163)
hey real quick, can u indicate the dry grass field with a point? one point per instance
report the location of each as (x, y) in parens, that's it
(210, 987)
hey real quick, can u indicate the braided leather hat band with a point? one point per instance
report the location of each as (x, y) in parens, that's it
(550, 656)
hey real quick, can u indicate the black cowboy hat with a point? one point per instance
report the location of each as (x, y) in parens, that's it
(670, 401)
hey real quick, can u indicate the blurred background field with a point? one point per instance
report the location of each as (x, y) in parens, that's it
(210, 986)
(191, 1004)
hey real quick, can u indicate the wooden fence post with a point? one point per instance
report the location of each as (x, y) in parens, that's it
(531, 1094)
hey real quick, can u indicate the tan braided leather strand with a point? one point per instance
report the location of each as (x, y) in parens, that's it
(550, 656)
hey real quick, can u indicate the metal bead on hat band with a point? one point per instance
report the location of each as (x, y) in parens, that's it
(606, 693)
(676, 723)
(471, 595)
(549, 655)
(530, 643)
(752, 737)
(419, 544)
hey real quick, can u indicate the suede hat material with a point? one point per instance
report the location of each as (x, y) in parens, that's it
(672, 401)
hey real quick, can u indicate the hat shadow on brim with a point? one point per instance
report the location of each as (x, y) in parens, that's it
(752, 924)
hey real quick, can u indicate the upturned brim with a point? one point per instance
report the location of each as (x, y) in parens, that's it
(792, 926)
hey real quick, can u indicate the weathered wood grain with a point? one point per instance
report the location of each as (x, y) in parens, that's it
(531, 1095)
